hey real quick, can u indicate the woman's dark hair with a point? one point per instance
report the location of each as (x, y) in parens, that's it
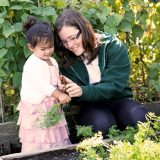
(38, 32)
(74, 19)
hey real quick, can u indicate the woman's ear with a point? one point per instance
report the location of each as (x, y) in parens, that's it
(30, 47)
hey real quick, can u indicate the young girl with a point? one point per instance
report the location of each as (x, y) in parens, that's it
(39, 90)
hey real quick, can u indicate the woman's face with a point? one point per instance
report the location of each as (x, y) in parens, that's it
(71, 38)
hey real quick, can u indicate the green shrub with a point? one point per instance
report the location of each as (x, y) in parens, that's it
(145, 146)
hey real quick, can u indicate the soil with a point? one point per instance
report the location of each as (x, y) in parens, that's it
(53, 155)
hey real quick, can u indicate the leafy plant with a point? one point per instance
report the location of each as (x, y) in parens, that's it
(145, 145)
(138, 151)
(84, 131)
(50, 118)
(125, 135)
(93, 148)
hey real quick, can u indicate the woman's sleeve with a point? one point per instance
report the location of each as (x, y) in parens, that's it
(115, 77)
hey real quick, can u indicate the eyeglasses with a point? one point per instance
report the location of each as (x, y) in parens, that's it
(71, 39)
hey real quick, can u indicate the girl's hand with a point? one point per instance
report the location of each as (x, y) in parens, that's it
(73, 89)
(64, 98)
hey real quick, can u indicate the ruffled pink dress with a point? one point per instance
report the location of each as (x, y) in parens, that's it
(33, 138)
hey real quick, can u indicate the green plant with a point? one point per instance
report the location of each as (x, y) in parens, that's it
(84, 131)
(125, 135)
(138, 151)
(50, 118)
(93, 148)
(145, 145)
(153, 80)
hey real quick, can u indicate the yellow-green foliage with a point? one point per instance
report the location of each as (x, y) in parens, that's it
(93, 148)
(146, 145)
(147, 150)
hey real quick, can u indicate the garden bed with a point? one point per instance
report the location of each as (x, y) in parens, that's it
(63, 153)
(9, 141)
(153, 107)
(9, 137)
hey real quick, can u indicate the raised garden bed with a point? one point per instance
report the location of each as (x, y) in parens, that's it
(10, 136)
(9, 141)
(63, 153)
(153, 107)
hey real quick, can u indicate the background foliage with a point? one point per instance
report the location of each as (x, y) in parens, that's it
(136, 23)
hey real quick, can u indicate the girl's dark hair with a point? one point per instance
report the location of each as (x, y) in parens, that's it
(38, 32)
(74, 19)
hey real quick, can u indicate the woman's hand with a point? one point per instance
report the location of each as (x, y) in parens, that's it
(73, 89)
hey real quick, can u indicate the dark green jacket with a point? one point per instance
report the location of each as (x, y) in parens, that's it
(114, 66)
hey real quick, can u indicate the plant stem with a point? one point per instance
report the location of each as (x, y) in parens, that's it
(38, 3)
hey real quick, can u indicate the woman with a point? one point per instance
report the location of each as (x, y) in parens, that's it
(97, 69)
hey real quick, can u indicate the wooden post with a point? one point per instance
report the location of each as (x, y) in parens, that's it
(1, 107)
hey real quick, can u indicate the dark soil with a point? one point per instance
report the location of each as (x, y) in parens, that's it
(53, 155)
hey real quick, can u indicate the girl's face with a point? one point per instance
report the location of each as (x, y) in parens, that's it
(41, 51)
(71, 38)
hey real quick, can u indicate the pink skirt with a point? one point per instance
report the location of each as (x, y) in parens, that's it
(33, 138)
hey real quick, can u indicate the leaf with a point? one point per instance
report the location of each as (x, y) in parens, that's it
(2, 61)
(31, 1)
(13, 66)
(16, 7)
(102, 17)
(49, 11)
(22, 41)
(24, 16)
(1, 21)
(3, 15)
(106, 11)
(2, 42)
(18, 27)
(129, 16)
(37, 11)
(4, 3)
(17, 76)
(26, 51)
(137, 31)
(10, 43)
(1, 80)
(110, 30)
(3, 52)
(8, 31)
(114, 20)
(29, 6)
(125, 26)
(2, 73)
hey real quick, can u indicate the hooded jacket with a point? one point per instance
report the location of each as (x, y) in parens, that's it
(114, 65)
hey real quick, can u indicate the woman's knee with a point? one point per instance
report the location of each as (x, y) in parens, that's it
(130, 112)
